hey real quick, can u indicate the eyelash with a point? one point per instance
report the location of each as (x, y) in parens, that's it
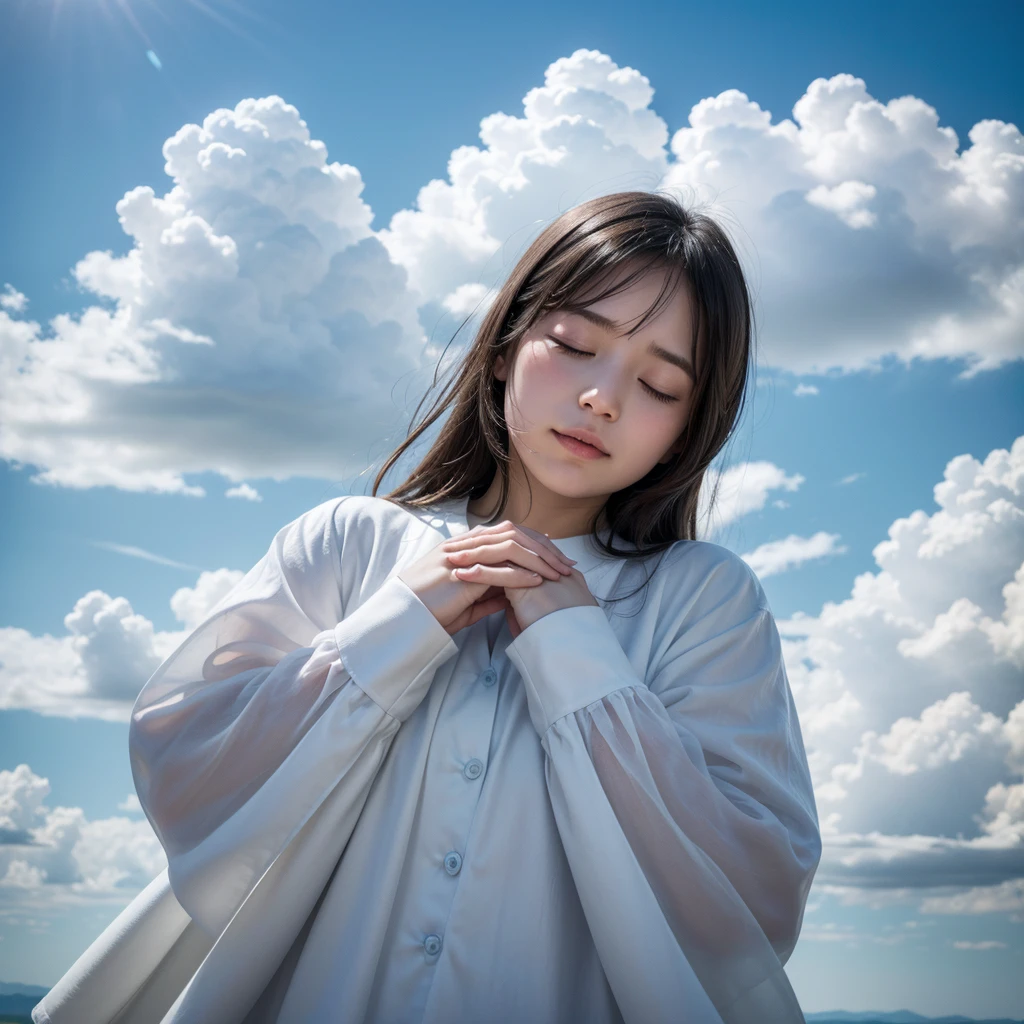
(655, 394)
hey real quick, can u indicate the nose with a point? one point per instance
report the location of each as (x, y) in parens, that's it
(600, 402)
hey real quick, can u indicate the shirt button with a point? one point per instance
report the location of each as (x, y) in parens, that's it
(473, 769)
(432, 945)
(452, 862)
(488, 677)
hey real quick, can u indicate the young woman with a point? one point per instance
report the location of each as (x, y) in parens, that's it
(508, 744)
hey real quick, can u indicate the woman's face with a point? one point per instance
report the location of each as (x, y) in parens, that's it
(608, 390)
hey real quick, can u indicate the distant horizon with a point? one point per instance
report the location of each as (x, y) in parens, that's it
(875, 1016)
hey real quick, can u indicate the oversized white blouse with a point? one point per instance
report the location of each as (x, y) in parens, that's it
(366, 819)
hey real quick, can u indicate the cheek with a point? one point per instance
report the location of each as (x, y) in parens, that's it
(538, 377)
(537, 360)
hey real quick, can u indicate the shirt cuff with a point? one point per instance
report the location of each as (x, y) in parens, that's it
(569, 659)
(391, 646)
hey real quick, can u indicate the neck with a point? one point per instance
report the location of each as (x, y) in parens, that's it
(550, 513)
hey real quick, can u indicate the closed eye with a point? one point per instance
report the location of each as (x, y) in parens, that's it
(659, 395)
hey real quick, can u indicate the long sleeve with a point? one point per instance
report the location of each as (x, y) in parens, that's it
(682, 797)
(289, 691)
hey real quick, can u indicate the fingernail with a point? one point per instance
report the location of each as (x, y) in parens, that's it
(571, 561)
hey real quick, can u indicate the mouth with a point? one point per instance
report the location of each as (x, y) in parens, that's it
(577, 447)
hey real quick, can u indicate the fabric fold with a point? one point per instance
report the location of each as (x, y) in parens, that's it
(682, 799)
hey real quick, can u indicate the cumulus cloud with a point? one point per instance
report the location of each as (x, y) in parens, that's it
(911, 698)
(856, 198)
(258, 326)
(111, 650)
(192, 604)
(60, 856)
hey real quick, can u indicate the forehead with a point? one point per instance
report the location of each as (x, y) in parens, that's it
(628, 295)
(630, 308)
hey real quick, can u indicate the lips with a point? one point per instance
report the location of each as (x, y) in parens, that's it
(579, 448)
(585, 436)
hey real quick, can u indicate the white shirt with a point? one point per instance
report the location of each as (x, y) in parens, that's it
(367, 819)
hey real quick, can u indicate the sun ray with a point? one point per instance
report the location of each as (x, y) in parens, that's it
(226, 22)
(229, 17)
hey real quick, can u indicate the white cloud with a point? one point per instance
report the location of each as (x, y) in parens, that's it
(780, 555)
(912, 861)
(945, 732)
(805, 389)
(111, 651)
(114, 645)
(986, 944)
(1006, 897)
(22, 875)
(910, 696)
(130, 803)
(13, 300)
(469, 300)
(589, 113)
(741, 490)
(21, 799)
(60, 856)
(244, 491)
(259, 327)
(192, 604)
(256, 327)
(856, 198)
(135, 552)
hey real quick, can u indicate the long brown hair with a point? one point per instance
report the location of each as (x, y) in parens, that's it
(560, 269)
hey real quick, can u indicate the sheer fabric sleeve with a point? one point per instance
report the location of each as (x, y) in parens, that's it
(683, 800)
(290, 688)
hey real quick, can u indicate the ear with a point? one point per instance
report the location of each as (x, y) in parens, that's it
(500, 368)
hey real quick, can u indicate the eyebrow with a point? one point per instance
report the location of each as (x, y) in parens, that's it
(654, 348)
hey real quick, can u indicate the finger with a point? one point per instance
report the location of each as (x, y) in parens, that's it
(468, 540)
(513, 623)
(525, 534)
(509, 551)
(474, 613)
(557, 562)
(548, 543)
(482, 609)
(499, 576)
(533, 542)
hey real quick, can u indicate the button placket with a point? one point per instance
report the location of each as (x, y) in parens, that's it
(464, 727)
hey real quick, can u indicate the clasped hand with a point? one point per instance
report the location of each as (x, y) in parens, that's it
(484, 559)
(494, 568)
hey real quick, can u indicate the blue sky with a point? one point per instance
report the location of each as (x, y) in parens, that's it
(884, 246)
